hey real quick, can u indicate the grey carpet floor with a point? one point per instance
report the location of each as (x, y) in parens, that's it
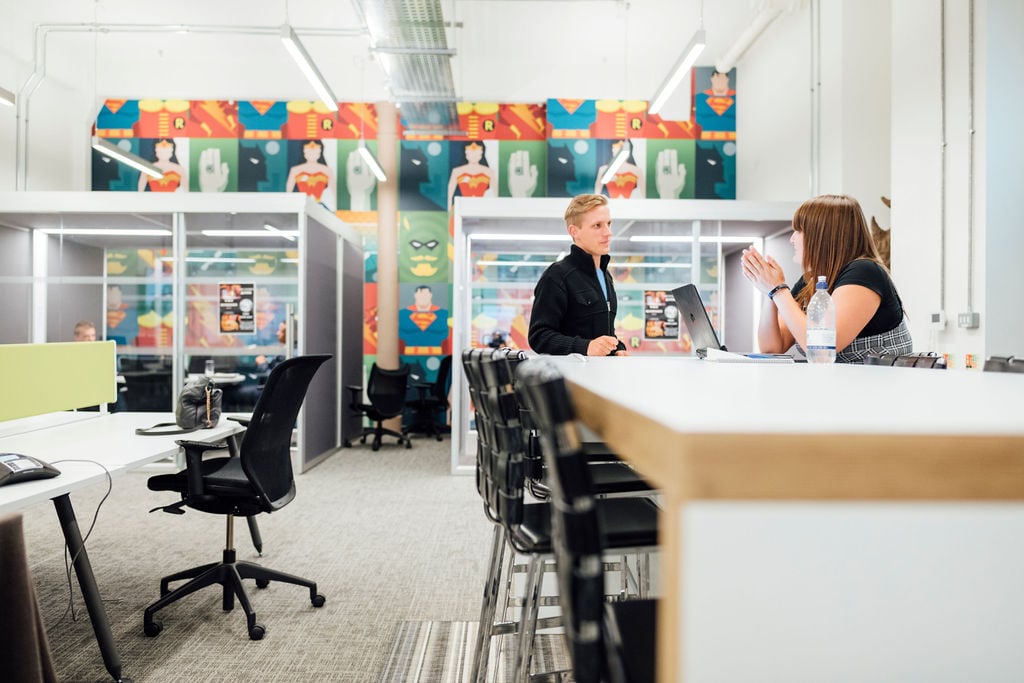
(391, 537)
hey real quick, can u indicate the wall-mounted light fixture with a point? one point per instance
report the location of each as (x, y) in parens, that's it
(111, 150)
(7, 97)
(371, 161)
(309, 70)
(686, 61)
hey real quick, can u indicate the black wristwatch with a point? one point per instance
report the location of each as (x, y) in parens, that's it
(775, 289)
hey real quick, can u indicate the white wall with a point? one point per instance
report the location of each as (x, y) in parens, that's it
(1001, 189)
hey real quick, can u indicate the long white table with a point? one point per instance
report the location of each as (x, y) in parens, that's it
(108, 440)
(788, 477)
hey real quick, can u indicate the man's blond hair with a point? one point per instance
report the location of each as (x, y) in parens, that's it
(581, 204)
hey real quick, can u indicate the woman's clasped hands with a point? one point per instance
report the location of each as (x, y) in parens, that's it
(763, 272)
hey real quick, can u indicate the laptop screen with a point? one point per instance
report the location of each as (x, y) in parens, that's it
(695, 317)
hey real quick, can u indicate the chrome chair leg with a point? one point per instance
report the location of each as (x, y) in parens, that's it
(488, 608)
(528, 619)
(504, 624)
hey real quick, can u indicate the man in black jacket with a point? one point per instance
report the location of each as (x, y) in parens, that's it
(574, 301)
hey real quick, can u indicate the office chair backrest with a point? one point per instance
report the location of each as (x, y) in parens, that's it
(575, 531)
(386, 389)
(266, 446)
(1004, 364)
(443, 380)
(508, 448)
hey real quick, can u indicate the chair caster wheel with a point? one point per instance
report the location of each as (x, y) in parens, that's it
(362, 440)
(257, 632)
(318, 600)
(438, 437)
(408, 443)
(375, 446)
(153, 628)
(262, 583)
(346, 443)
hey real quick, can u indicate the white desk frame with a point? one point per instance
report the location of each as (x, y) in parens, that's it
(108, 439)
(759, 433)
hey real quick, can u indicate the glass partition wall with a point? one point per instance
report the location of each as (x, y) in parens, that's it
(212, 278)
(503, 246)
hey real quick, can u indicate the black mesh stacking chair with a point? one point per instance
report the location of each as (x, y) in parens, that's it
(608, 641)
(259, 480)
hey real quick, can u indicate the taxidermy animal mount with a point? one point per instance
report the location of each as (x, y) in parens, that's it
(881, 237)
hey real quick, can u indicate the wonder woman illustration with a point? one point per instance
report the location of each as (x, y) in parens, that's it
(475, 178)
(312, 177)
(165, 158)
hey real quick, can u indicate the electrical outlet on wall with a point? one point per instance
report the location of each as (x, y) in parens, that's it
(968, 321)
(938, 320)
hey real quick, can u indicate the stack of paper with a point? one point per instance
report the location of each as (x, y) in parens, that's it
(718, 356)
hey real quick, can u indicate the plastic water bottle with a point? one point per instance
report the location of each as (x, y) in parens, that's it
(821, 325)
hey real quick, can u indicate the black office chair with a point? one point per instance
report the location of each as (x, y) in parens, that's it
(431, 402)
(608, 641)
(386, 390)
(259, 480)
(1004, 364)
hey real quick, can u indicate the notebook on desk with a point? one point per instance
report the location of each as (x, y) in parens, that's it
(703, 335)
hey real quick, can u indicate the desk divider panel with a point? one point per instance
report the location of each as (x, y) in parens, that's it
(46, 378)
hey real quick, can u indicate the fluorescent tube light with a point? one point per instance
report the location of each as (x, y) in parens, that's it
(210, 259)
(655, 265)
(114, 232)
(705, 239)
(111, 150)
(280, 233)
(289, 235)
(491, 262)
(686, 60)
(371, 161)
(308, 68)
(7, 97)
(485, 237)
(617, 162)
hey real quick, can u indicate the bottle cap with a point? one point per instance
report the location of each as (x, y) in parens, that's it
(822, 283)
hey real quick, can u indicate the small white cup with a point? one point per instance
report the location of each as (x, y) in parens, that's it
(209, 367)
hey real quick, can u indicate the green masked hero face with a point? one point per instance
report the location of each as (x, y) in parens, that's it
(423, 247)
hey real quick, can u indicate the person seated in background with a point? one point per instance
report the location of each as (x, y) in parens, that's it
(85, 330)
(831, 238)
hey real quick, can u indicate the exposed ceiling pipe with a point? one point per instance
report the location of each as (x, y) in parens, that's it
(767, 12)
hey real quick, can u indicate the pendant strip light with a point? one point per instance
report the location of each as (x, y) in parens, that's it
(308, 68)
(111, 150)
(686, 61)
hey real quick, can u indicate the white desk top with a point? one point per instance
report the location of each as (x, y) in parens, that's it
(109, 439)
(693, 396)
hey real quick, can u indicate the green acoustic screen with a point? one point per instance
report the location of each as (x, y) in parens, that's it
(44, 378)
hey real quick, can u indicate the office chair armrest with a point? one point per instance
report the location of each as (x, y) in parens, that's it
(357, 396)
(244, 421)
(194, 451)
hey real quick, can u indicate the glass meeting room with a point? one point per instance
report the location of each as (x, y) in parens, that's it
(178, 288)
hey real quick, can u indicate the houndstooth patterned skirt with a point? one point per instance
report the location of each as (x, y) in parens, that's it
(896, 341)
